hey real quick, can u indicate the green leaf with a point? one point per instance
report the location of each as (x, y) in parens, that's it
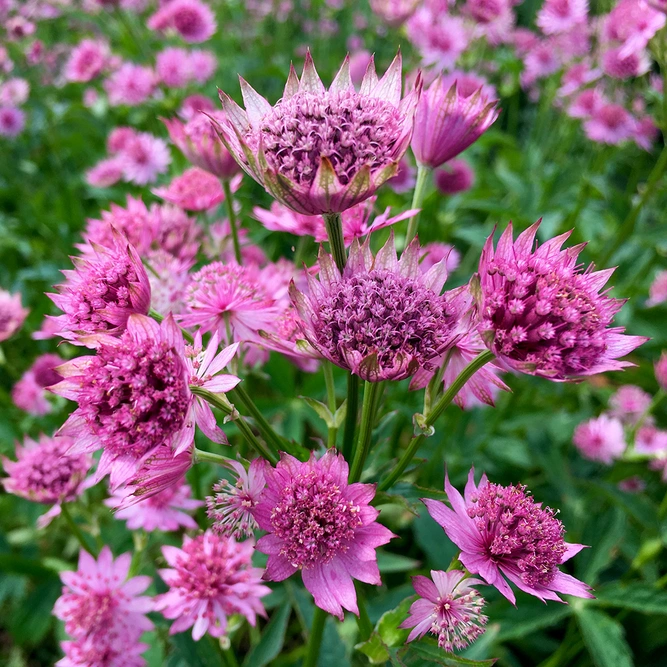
(387, 626)
(30, 622)
(604, 639)
(432, 653)
(272, 639)
(604, 534)
(340, 415)
(527, 620)
(389, 562)
(638, 597)
(321, 409)
(374, 649)
(189, 653)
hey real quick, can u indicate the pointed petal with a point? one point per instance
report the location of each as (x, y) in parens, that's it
(255, 105)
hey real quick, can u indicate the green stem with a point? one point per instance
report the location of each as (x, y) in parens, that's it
(76, 531)
(327, 368)
(478, 362)
(230, 657)
(334, 225)
(201, 456)
(271, 437)
(363, 621)
(301, 247)
(372, 394)
(231, 214)
(315, 639)
(351, 414)
(417, 200)
(140, 539)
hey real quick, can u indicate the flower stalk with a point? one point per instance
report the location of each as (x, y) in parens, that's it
(76, 531)
(315, 639)
(327, 368)
(334, 226)
(372, 395)
(233, 224)
(418, 195)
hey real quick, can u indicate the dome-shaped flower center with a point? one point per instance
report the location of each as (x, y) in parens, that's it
(135, 396)
(313, 519)
(94, 612)
(458, 620)
(52, 475)
(519, 532)
(383, 313)
(350, 129)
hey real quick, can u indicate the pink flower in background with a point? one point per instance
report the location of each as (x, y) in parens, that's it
(405, 178)
(439, 37)
(646, 133)
(432, 253)
(202, 65)
(164, 511)
(320, 524)
(577, 76)
(280, 218)
(105, 173)
(45, 472)
(12, 314)
(448, 607)
(98, 599)
(12, 121)
(632, 23)
(29, 393)
(557, 16)
(657, 291)
(468, 83)
(193, 20)
(209, 579)
(382, 319)
(629, 403)
(543, 314)
(87, 61)
(172, 66)
(503, 533)
(394, 12)
(14, 92)
(143, 158)
(587, 104)
(447, 122)
(130, 84)
(193, 105)
(651, 440)
(120, 138)
(195, 190)
(600, 439)
(486, 11)
(168, 277)
(114, 649)
(539, 62)
(231, 508)
(627, 66)
(296, 150)
(359, 62)
(453, 177)
(660, 368)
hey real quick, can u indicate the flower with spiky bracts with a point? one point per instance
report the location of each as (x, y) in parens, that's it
(322, 151)
(542, 314)
(12, 314)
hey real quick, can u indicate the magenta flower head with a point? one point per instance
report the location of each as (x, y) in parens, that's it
(660, 369)
(209, 579)
(193, 20)
(321, 525)
(502, 532)
(448, 607)
(12, 314)
(29, 393)
(201, 145)
(107, 285)
(382, 319)
(600, 439)
(194, 190)
(448, 121)
(542, 314)
(322, 151)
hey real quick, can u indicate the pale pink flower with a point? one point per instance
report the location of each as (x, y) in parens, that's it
(105, 173)
(130, 84)
(627, 66)
(195, 190)
(634, 484)
(172, 66)
(453, 177)
(633, 23)
(502, 532)
(12, 121)
(320, 524)
(557, 16)
(646, 133)
(538, 63)
(486, 11)
(164, 511)
(468, 83)
(29, 393)
(651, 440)
(209, 579)
(14, 92)
(87, 60)
(359, 62)
(657, 291)
(114, 649)
(230, 509)
(432, 253)
(193, 20)
(193, 105)
(600, 439)
(120, 138)
(576, 77)
(219, 245)
(587, 104)
(439, 37)
(629, 403)
(660, 368)
(143, 158)
(202, 65)
(524, 40)
(12, 314)
(296, 149)
(448, 607)
(405, 178)
(394, 12)
(168, 277)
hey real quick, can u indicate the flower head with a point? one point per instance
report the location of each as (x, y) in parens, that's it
(193, 20)
(105, 173)
(448, 607)
(317, 150)
(542, 314)
(610, 124)
(454, 177)
(143, 158)
(130, 84)
(600, 439)
(87, 60)
(209, 579)
(660, 368)
(172, 66)
(447, 122)
(115, 649)
(657, 291)
(439, 37)
(12, 314)
(12, 121)
(556, 16)
(321, 525)
(194, 190)
(394, 12)
(382, 318)
(502, 532)
(29, 393)
(231, 508)
(629, 403)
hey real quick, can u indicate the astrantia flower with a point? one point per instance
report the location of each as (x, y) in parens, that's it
(133, 397)
(660, 369)
(172, 66)
(394, 12)
(448, 608)
(455, 176)
(230, 509)
(657, 292)
(600, 439)
(610, 124)
(586, 104)
(29, 393)
(382, 319)
(143, 158)
(405, 179)
(99, 599)
(194, 190)
(557, 16)
(165, 511)
(317, 150)
(87, 60)
(12, 121)
(629, 403)
(105, 173)
(502, 532)
(114, 649)
(432, 253)
(193, 20)
(130, 84)
(439, 37)
(447, 122)
(632, 23)
(45, 472)
(201, 145)
(209, 579)
(14, 92)
(12, 314)
(542, 314)
(321, 525)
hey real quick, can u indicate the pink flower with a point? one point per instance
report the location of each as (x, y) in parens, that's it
(657, 292)
(439, 37)
(394, 12)
(502, 532)
(651, 440)
(193, 20)
(629, 403)
(577, 76)
(45, 472)
(210, 578)
(87, 60)
(163, 511)
(405, 179)
(557, 16)
(600, 439)
(627, 66)
(587, 104)
(172, 66)
(646, 133)
(12, 314)
(432, 253)
(296, 149)
(542, 314)
(12, 121)
(98, 599)
(447, 122)
(661, 371)
(201, 145)
(202, 65)
(168, 277)
(448, 608)
(321, 525)
(382, 319)
(455, 176)
(468, 83)
(143, 158)
(192, 105)
(231, 508)
(634, 23)
(194, 190)
(114, 649)
(539, 62)
(29, 393)
(105, 173)
(130, 84)
(14, 92)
